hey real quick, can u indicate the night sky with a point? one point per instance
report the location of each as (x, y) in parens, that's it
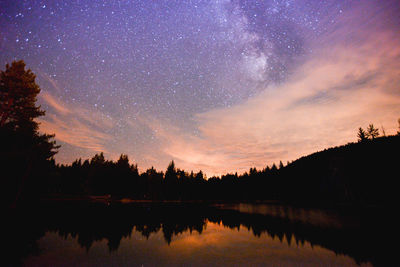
(216, 85)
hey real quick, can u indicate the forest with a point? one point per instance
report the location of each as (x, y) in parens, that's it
(361, 172)
(364, 172)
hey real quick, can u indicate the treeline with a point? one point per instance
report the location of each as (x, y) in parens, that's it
(362, 172)
(120, 179)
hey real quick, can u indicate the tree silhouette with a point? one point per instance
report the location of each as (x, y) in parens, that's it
(171, 173)
(98, 159)
(18, 92)
(280, 165)
(199, 176)
(362, 135)
(24, 151)
(372, 132)
(274, 168)
(18, 110)
(123, 161)
(171, 181)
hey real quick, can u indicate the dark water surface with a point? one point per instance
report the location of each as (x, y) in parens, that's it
(151, 234)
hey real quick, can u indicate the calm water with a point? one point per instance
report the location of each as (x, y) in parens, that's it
(194, 235)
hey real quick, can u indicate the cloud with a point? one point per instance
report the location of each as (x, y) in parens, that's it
(50, 100)
(75, 132)
(341, 86)
(74, 125)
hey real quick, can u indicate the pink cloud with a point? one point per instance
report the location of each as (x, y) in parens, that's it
(77, 126)
(74, 132)
(54, 103)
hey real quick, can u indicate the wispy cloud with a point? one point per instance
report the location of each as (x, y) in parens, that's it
(54, 103)
(75, 132)
(75, 125)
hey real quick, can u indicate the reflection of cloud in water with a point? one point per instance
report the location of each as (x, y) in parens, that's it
(231, 246)
(216, 245)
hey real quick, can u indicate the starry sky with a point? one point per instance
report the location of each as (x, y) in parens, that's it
(216, 85)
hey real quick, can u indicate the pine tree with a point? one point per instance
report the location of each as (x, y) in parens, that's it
(18, 111)
(98, 159)
(123, 161)
(372, 132)
(274, 168)
(280, 165)
(25, 153)
(170, 181)
(362, 135)
(18, 95)
(171, 171)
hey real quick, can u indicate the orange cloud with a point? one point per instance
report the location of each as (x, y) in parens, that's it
(76, 126)
(55, 104)
(72, 131)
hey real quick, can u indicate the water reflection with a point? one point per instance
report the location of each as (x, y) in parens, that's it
(196, 234)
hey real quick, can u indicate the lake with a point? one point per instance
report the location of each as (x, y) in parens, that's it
(155, 234)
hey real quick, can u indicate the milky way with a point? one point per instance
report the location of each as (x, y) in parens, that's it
(141, 77)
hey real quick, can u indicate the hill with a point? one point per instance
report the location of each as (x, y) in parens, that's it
(364, 172)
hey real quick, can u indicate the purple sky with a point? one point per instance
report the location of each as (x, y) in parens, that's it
(220, 86)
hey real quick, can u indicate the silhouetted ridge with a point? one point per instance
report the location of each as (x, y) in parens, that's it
(357, 172)
(362, 173)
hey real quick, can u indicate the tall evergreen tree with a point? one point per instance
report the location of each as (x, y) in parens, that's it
(18, 95)
(123, 161)
(171, 181)
(18, 110)
(24, 151)
(171, 171)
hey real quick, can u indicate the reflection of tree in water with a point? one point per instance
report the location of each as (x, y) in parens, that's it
(19, 239)
(366, 241)
(119, 221)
